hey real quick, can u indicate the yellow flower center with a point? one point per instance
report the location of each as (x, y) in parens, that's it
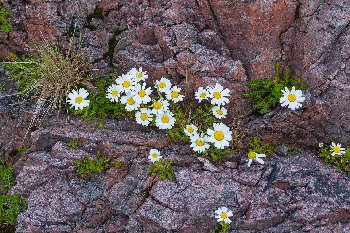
(224, 215)
(165, 119)
(154, 155)
(190, 129)
(142, 93)
(219, 112)
(79, 100)
(157, 105)
(144, 116)
(139, 75)
(203, 95)
(126, 84)
(336, 149)
(217, 95)
(174, 94)
(219, 135)
(292, 98)
(199, 142)
(114, 93)
(251, 155)
(162, 84)
(130, 101)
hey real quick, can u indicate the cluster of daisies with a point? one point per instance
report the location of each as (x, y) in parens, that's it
(336, 149)
(219, 135)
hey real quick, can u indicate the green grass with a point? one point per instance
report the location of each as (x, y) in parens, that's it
(266, 92)
(100, 164)
(342, 162)
(162, 169)
(5, 15)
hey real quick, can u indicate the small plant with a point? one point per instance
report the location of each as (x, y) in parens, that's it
(10, 205)
(162, 169)
(5, 15)
(292, 150)
(218, 155)
(49, 76)
(2, 87)
(24, 148)
(101, 164)
(258, 146)
(221, 228)
(267, 92)
(336, 156)
(73, 143)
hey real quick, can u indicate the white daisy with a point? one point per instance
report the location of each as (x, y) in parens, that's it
(163, 85)
(77, 99)
(113, 92)
(255, 156)
(201, 94)
(337, 149)
(165, 120)
(144, 116)
(219, 112)
(219, 95)
(220, 136)
(223, 215)
(142, 93)
(130, 103)
(174, 94)
(190, 130)
(199, 143)
(160, 106)
(126, 82)
(154, 155)
(292, 98)
(138, 74)
(320, 145)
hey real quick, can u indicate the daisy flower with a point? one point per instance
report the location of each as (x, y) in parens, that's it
(163, 85)
(160, 106)
(201, 94)
(113, 92)
(320, 145)
(190, 130)
(219, 95)
(336, 149)
(223, 215)
(144, 116)
(292, 98)
(77, 99)
(219, 112)
(255, 156)
(220, 136)
(154, 155)
(130, 103)
(126, 82)
(138, 74)
(142, 93)
(174, 94)
(199, 143)
(165, 120)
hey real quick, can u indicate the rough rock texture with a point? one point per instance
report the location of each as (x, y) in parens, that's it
(213, 41)
(287, 194)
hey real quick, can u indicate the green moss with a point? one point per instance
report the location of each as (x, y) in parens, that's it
(342, 162)
(162, 169)
(101, 164)
(257, 146)
(73, 143)
(6, 177)
(267, 92)
(221, 228)
(5, 15)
